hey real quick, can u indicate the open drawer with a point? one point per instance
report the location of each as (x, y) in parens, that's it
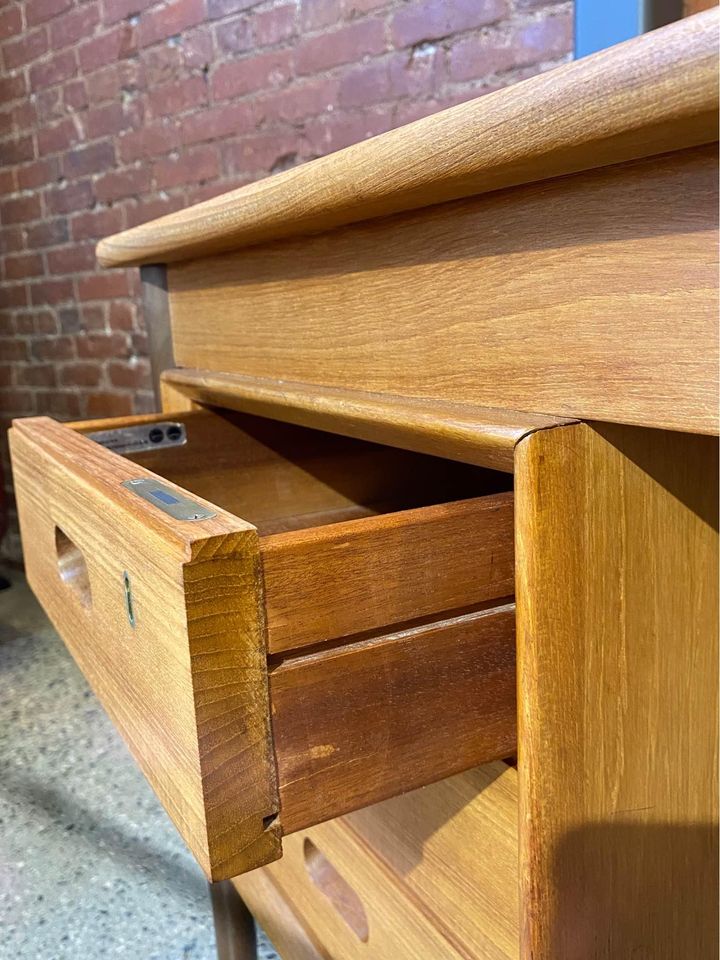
(285, 625)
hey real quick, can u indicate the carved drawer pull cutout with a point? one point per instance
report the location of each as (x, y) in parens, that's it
(340, 894)
(72, 567)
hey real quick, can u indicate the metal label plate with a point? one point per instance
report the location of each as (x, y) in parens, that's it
(168, 499)
(142, 436)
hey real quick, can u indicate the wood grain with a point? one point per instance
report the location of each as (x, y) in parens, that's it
(490, 301)
(280, 477)
(360, 723)
(398, 927)
(454, 847)
(466, 432)
(617, 593)
(655, 93)
(348, 578)
(276, 917)
(187, 686)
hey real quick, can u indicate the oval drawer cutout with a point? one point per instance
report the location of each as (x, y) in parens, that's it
(338, 891)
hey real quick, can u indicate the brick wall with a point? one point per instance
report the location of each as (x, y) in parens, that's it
(113, 112)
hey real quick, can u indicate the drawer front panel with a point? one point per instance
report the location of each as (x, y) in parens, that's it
(185, 681)
(350, 902)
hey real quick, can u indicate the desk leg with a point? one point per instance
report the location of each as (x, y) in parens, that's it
(617, 621)
(234, 924)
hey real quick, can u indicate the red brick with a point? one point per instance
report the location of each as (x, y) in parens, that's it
(95, 158)
(131, 375)
(150, 141)
(13, 349)
(96, 224)
(415, 75)
(119, 42)
(80, 374)
(108, 405)
(129, 182)
(52, 291)
(36, 375)
(168, 20)
(346, 45)
(253, 73)
(544, 39)
(14, 295)
(24, 265)
(94, 317)
(49, 105)
(316, 14)
(109, 120)
(12, 239)
(47, 233)
(369, 83)
(70, 197)
(435, 19)
(479, 56)
(263, 152)
(75, 95)
(58, 137)
(53, 71)
(45, 322)
(18, 150)
(8, 181)
(172, 62)
(190, 166)
(10, 22)
(19, 401)
(54, 348)
(224, 8)
(25, 49)
(20, 209)
(69, 318)
(38, 11)
(102, 346)
(71, 259)
(24, 323)
(24, 116)
(174, 98)
(6, 374)
(12, 87)
(112, 81)
(275, 25)
(38, 173)
(64, 405)
(153, 208)
(235, 36)
(75, 26)
(121, 315)
(114, 10)
(298, 101)
(341, 129)
(230, 119)
(103, 286)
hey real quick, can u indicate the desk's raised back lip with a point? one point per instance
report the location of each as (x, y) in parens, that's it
(654, 93)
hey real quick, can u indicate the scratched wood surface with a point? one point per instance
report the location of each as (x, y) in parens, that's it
(361, 722)
(490, 300)
(187, 685)
(655, 93)
(454, 847)
(466, 432)
(617, 594)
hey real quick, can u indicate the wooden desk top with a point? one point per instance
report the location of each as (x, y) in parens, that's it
(655, 93)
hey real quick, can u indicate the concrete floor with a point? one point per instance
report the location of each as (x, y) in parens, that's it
(90, 865)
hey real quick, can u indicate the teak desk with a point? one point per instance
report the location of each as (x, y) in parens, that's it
(450, 407)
